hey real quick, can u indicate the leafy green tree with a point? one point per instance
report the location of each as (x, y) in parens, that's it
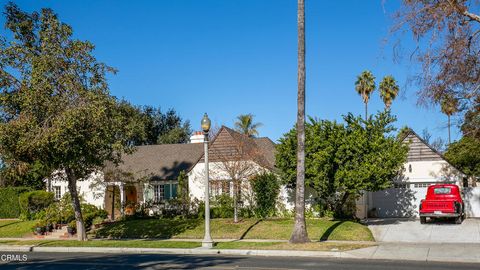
(344, 160)
(55, 102)
(388, 90)
(365, 85)
(163, 128)
(465, 155)
(20, 174)
(245, 125)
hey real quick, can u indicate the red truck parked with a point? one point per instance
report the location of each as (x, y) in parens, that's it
(442, 201)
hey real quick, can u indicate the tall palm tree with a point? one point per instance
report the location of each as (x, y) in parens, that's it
(449, 106)
(365, 85)
(388, 90)
(299, 234)
(245, 125)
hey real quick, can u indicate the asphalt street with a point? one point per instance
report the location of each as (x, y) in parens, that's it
(71, 261)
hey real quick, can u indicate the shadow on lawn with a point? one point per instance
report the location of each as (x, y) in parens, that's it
(8, 224)
(330, 230)
(147, 228)
(249, 229)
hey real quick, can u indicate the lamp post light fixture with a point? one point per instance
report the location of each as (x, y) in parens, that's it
(207, 239)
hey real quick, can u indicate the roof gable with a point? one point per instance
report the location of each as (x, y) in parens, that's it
(231, 145)
(419, 149)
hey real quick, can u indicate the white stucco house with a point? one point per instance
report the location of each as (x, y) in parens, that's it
(150, 174)
(425, 166)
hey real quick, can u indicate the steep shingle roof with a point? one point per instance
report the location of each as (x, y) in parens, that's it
(267, 147)
(166, 161)
(158, 162)
(261, 150)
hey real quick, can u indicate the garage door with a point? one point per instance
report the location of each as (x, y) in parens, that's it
(398, 202)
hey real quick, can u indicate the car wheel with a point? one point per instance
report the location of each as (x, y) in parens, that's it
(458, 220)
(423, 220)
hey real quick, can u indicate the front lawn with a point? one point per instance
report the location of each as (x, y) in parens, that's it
(318, 229)
(16, 228)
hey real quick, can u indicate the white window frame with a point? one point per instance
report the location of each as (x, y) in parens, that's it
(158, 193)
(401, 185)
(57, 190)
(422, 185)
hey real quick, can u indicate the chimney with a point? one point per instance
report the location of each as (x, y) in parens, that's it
(197, 137)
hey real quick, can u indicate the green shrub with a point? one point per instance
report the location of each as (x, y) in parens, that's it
(33, 202)
(98, 220)
(90, 212)
(72, 224)
(265, 188)
(222, 207)
(9, 203)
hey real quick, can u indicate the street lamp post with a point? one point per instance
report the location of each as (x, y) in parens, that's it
(207, 240)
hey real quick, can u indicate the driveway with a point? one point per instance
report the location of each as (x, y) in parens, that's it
(411, 231)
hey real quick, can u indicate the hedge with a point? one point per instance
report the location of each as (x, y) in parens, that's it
(9, 201)
(33, 202)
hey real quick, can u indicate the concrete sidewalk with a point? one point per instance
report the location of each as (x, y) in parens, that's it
(467, 253)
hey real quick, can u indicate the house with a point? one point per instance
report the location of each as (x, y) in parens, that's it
(150, 174)
(425, 166)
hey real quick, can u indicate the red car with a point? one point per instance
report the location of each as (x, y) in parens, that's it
(442, 201)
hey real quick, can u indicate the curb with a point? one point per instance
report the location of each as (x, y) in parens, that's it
(181, 251)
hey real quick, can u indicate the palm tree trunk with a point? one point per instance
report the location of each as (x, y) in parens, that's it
(366, 111)
(72, 188)
(449, 141)
(299, 234)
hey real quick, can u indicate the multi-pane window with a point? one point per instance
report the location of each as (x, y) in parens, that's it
(219, 187)
(422, 185)
(162, 192)
(57, 190)
(401, 185)
(158, 193)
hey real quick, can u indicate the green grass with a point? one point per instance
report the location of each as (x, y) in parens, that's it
(105, 243)
(219, 229)
(147, 228)
(318, 229)
(15, 228)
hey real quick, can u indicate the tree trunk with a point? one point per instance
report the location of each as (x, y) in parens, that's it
(366, 111)
(299, 234)
(72, 188)
(449, 140)
(235, 203)
(339, 207)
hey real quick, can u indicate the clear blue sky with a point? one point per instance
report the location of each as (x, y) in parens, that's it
(228, 57)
